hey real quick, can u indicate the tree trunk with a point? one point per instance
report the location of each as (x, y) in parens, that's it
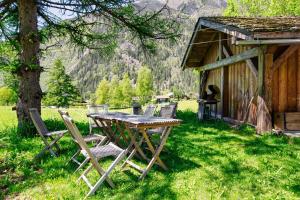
(30, 92)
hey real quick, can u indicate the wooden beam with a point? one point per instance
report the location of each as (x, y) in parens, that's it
(287, 53)
(231, 60)
(230, 30)
(272, 35)
(260, 80)
(222, 78)
(249, 62)
(262, 42)
(264, 99)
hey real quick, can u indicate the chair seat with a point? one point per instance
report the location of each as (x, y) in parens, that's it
(155, 131)
(93, 138)
(56, 133)
(104, 151)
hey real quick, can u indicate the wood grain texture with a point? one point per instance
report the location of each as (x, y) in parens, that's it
(298, 81)
(282, 87)
(292, 83)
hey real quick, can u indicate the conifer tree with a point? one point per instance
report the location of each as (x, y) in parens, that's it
(26, 24)
(61, 92)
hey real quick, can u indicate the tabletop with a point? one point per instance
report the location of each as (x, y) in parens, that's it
(136, 120)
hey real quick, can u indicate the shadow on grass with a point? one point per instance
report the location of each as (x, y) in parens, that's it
(225, 157)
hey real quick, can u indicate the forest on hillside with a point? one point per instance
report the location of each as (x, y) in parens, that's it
(89, 67)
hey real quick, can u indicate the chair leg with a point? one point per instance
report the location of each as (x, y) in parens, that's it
(53, 153)
(82, 164)
(73, 158)
(133, 153)
(86, 171)
(55, 144)
(102, 142)
(105, 175)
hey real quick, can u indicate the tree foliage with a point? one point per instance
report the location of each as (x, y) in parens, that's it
(115, 93)
(127, 90)
(144, 85)
(61, 92)
(262, 8)
(27, 24)
(102, 92)
(178, 93)
(7, 96)
(84, 19)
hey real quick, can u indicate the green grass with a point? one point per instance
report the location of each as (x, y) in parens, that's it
(207, 160)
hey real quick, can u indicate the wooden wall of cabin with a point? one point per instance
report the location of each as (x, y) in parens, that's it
(286, 85)
(286, 93)
(214, 75)
(241, 87)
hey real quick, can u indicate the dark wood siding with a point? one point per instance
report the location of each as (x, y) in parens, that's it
(241, 85)
(286, 85)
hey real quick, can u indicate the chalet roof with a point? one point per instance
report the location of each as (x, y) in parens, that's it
(260, 24)
(242, 28)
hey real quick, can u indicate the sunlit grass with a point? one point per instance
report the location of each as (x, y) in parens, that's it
(207, 160)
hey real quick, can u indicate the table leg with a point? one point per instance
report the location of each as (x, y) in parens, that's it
(135, 144)
(151, 148)
(157, 152)
(133, 152)
(121, 131)
(103, 126)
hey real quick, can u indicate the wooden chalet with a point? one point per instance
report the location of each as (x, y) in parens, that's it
(255, 62)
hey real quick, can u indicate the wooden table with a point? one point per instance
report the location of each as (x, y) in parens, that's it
(133, 125)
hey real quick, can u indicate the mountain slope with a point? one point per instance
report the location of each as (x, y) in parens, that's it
(88, 67)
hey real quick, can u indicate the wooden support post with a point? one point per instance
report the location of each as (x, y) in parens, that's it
(220, 56)
(264, 99)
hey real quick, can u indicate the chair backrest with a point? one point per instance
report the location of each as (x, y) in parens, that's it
(62, 113)
(168, 111)
(37, 121)
(97, 108)
(149, 111)
(76, 134)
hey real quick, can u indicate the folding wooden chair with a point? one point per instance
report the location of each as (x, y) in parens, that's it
(95, 139)
(94, 155)
(50, 139)
(95, 109)
(149, 111)
(168, 111)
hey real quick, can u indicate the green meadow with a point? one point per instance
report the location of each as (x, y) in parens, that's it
(206, 160)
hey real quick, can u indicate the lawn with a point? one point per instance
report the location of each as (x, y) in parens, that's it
(207, 160)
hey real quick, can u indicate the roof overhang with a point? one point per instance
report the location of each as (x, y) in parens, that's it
(208, 27)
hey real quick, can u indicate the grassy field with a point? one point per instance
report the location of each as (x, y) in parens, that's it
(207, 160)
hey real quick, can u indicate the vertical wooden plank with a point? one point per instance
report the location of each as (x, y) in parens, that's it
(282, 87)
(292, 83)
(247, 80)
(229, 90)
(260, 78)
(220, 55)
(225, 96)
(244, 95)
(234, 101)
(275, 92)
(298, 81)
(240, 88)
(264, 99)
(234, 92)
